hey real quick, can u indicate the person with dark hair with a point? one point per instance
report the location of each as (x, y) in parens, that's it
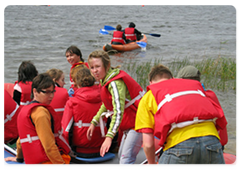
(179, 113)
(78, 114)
(131, 33)
(74, 57)
(118, 36)
(22, 89)
(191, 72)
(39, 138)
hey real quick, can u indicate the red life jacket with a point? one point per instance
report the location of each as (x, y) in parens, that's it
(182, 100)
(59, 101)
(136, 92)
(11, 110)
(129, 33)
(222, 132)
(26, 89)
(74, 65)
(117, 37)
(79, 111)
(33, 150)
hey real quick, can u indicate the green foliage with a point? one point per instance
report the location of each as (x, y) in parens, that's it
(216, 73)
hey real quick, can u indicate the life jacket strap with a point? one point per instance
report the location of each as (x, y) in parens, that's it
(59, 109)
(188, 123)
(169, 97)
(24, 103)
(29, 139)
(9, 117)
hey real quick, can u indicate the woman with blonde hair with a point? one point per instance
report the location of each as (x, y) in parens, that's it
(120, 95)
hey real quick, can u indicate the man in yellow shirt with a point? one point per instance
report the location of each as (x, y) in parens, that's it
(178, 112)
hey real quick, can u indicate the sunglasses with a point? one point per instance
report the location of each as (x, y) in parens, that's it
(48, 92)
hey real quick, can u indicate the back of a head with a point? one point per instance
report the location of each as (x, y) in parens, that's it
(159, 72)
(84, 78)
(132, 25)
(118, 27)
(55, 73)
(75, 70)
(189, 72)
(27, 71)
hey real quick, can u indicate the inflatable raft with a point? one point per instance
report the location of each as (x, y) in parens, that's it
(126, 47)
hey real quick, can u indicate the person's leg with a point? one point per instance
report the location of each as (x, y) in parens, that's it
(130, 147)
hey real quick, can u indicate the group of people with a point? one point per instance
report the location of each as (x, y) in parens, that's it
(129, 34)
(105, 106)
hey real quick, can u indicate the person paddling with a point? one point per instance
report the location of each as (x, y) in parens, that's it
(131, 33)
(118, 36)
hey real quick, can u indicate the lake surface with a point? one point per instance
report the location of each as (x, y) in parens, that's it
(43, 33)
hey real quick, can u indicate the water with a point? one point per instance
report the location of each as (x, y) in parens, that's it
(43, 33)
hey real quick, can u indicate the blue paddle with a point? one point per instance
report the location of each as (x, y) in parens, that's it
(103, 31)
(110, 28)
(142, 44)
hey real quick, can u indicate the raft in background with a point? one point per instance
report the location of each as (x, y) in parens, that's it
(126, 47)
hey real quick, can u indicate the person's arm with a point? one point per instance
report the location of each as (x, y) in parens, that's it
(42, 121)
(17, 96)
(117, 89)
(19, 156)
(124, 38)
(149, 147)
(67, 120)
(145, 124)
(137, 32)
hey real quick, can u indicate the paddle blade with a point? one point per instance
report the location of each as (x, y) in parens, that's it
(142, 44)
(155, 35)
(109, 28)
(152, 34)
(103, 31)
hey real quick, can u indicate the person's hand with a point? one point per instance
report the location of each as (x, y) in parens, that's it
(105, 146)
(90, 131)
(71, 153)
(13, 159)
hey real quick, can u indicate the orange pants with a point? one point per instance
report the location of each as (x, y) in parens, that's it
(66, 158)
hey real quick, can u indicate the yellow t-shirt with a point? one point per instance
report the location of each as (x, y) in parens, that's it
(145, 119)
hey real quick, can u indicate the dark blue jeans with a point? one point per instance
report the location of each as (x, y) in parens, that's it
(200, 150)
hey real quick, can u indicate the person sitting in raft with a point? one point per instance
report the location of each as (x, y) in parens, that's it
(118, 36)
(120, 95)
(178, 112)
(79, 112)
(39, 139)
(11, 111)
(61, 95)
(74, 57)
(191, 72)
(22, 89)
(131, 33)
